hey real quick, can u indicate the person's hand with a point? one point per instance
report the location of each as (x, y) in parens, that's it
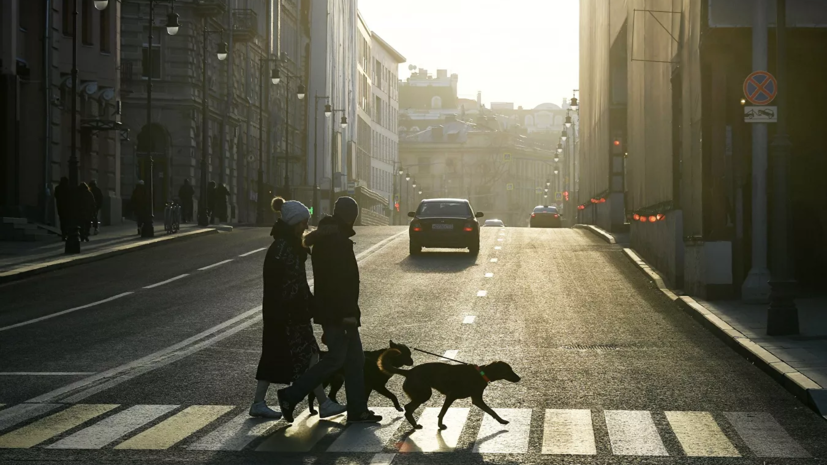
(349, 321)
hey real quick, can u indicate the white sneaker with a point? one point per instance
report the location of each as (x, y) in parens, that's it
(330, 408)
(260, 409)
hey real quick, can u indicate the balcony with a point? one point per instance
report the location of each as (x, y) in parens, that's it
(245, 25)
(209, 8)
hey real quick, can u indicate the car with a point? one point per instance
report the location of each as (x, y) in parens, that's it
(545, 216)
(493, 224)
(444, 223)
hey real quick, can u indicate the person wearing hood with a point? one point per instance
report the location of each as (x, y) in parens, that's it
(336, 308)
(289, 347)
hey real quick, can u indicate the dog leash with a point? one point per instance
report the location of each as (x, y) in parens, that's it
(482, 373)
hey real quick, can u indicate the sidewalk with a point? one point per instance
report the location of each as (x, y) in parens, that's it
(19, 260)
(799, 363)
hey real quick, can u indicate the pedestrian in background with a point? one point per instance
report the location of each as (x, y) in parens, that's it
(221, 194)
(185, 193)
(336, 308)
(63, 201)
(140, 204)
(288, 346)
(85, 205)
(211, 201)
(96, 192)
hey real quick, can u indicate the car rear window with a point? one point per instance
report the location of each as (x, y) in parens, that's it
(444, 209)
(545, 209)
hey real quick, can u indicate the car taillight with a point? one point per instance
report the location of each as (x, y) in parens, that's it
(469, 227)
(556, 215)
(416, 227)
(532, 215)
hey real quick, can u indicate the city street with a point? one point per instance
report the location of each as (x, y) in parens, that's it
(150, 357)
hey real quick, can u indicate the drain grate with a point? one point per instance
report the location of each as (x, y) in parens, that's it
(590, 347)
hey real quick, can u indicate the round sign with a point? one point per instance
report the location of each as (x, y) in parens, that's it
(760, 88)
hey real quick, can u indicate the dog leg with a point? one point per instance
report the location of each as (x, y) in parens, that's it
(485, 408)
(445, 406)
(335, 384)
(410, 408)
(385, 392)
(310, 398)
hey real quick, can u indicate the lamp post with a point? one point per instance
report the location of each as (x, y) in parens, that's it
(262, 101)
(328, 110)
(300, 93)
(343, 124)
(222, 53)
(147, 228)
(407, 195)
(397, 186)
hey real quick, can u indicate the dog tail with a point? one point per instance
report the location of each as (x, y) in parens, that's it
(389, 369)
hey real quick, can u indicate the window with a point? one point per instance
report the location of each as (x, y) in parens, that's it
(378, 109)
(151, 58)
(86, 22)
(105, 36)
(68, 24)
(436, 102)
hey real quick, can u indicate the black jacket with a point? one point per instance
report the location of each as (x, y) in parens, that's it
(287, 297)
(335, 272)
(96, 191)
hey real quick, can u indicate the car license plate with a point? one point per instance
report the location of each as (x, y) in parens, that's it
(442, 226)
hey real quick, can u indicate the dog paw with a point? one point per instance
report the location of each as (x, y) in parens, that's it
(400, 409)
(503, 422)
(313, 412)
(417, 426)
(443, 427)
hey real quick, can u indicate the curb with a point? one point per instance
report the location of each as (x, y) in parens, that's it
(598, 232)
(26, 271)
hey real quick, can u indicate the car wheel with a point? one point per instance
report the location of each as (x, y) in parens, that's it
(474, 249)
(415, 249)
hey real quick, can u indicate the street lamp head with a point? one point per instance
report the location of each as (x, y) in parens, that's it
(559, 147)
(568, 121)
(328, 110)
(101, 5)
(223, 51)
(300, 92)
(548, 183)
(344, 122)
(556, 159)
(564, 135)
(574, 105)
(420, 192)
(401, 171)
(172, 23)
(407, 176)
(275, 77)
(555, 171)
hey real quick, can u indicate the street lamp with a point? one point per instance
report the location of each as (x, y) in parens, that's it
(263, 100)
(560, 147)
(556, 170)
(344, 122)
(101, 5)
(328, 110)
(343, 125)
(275, 76)
(568, 121)
(548, 183)
(300, 92)
(556, 159)
(564, 135)
(221, 53)
(574, 105)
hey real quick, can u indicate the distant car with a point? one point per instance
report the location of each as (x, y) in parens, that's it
(444, 223)
(493, 224)
(545, 217)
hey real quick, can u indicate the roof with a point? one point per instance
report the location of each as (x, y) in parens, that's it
(445, 200)
(547, 106)
(398, 56)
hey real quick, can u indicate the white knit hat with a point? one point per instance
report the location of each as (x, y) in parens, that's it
(294, 212)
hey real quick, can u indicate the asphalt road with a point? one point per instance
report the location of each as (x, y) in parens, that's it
(612, 372)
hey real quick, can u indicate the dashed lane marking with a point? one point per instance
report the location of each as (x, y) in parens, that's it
(500, 239)
(493, 260)
(468, 320)
(215, 265)
(482, 293)
(369, 437)
(64, 312)
(568, 432)
(762, 433)
(175, 428)
(494, 438)
(700, 435)
(112, 428)
(430, 438)
(633, 432)
(252, 252)
(152, 286)
(489, 275)
(49, 427)
(302, 435)
(497, 248)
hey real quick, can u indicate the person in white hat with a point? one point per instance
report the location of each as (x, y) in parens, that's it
(289, 347)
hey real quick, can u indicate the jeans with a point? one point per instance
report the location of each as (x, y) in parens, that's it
(344, 350)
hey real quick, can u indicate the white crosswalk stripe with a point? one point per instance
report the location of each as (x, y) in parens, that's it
(367, 437)
(633, 432)
(494, 438)
(568, 432)
(764, 436)
(430, 438)
(113, 428)
(20, 413)
(302, 435)
(700, 435)
(237, 433)
(175, 428)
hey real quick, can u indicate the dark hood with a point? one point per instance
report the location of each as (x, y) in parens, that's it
(329, 227)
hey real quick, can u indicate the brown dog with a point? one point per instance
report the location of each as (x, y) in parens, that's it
(454, 381)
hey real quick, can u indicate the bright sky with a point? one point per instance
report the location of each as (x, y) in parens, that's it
(521, 51)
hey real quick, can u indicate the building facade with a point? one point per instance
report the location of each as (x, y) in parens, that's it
(35, 104)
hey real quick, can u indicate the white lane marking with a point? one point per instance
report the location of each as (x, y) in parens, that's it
(497, 248)
(64, 312)
(502, 234)
(237, 433)
(493, 260)
(22, 412)
(430, 438)
(489, 275)
(499, 240)
(176, 428)
(764, 436)
(482, 293)
(382, 459)
(633, 432)
(252, 252)
(700, 435)
(47, 373)
(568, 432)
(302, 435)
(151, 286)
(112, 428)
(360, 437)
(494, 438)
(452, 354)
(468, 320)
(215, 265)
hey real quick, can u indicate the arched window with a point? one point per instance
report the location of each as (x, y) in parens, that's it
(436, 102)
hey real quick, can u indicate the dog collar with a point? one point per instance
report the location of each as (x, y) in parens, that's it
(482, 373)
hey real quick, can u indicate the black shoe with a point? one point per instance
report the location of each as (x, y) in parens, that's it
(366, 417)
(286, 407)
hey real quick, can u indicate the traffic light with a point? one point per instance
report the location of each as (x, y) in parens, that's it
(566, 196)
(311, 211)
(617, 144)
(396, 204)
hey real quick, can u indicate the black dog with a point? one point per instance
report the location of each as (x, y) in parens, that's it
(454, 381)
(375, 379)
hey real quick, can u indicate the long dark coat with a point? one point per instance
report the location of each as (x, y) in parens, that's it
(287, 341)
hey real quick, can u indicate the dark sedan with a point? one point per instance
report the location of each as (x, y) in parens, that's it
(545, 217)
(445, 223)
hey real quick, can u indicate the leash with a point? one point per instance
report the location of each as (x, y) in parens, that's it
(482, 373)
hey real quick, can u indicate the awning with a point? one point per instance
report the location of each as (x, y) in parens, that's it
(368, 198)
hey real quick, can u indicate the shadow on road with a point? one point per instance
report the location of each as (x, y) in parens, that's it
(438, 262)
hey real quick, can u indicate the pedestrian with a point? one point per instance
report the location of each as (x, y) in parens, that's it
(211, 201)
(288, 346)
(185, 193)
(221, 195)
(276, 205)
(96, 192)
(140, 204)
(336, 308)
(63, 201)
(85, 207)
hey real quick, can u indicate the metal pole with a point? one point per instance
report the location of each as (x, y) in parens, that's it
(73, 239)
(147, 228)
(260, 198)
(332, 160)
(202, 202)
(782, 318)
(756, 287)
(287, 137)
(315, 156)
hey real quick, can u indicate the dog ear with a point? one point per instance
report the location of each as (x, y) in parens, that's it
(393, 344)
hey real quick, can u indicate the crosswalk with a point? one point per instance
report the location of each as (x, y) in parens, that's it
(571, 432)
